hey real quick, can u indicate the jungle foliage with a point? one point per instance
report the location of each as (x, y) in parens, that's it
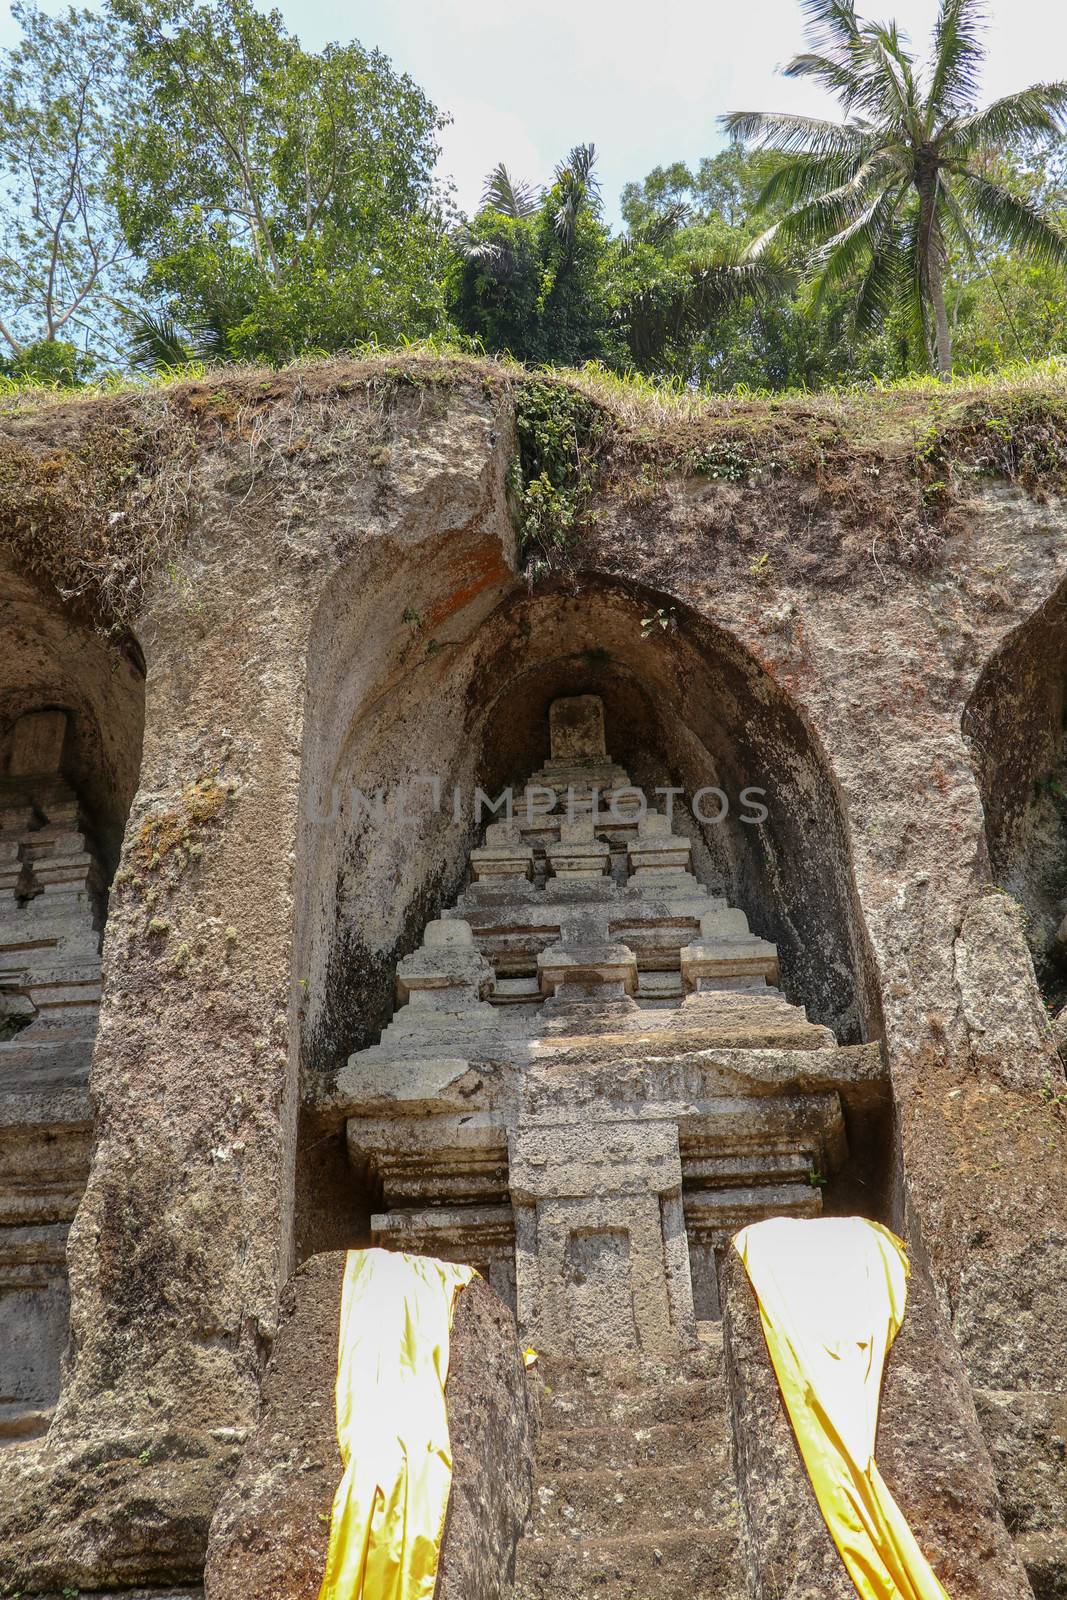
(184, 182)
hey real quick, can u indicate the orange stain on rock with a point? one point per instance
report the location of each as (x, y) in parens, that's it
(495, 571)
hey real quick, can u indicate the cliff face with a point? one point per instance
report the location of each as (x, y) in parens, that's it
(856, 606)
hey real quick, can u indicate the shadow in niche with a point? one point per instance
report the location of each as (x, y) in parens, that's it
(1016, 725)
(71, 727)
(685, 707)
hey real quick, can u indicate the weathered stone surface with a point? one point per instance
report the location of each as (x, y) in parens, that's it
(635, 1495)
(196, 1593)
(1011, 1041)
(269, 1535)
(493, 1419)
(1027, 1434)
(930, 1451)
(576, 729)
(347, 614)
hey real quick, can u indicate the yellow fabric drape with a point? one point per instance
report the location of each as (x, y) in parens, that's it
(392, 1426)
(832, 1293)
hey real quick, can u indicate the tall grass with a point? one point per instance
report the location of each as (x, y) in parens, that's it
(633, 398)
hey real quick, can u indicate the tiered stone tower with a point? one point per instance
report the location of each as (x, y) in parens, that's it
(592, 1080)
(51, 914)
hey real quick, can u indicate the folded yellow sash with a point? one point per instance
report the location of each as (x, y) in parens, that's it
(832, 1293)
(392, 1426)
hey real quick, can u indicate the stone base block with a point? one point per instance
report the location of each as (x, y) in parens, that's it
(269, 1535)
(930, 1453)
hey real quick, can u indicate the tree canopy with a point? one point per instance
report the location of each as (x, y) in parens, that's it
(182, 180)
(63, 99)
(280, 200)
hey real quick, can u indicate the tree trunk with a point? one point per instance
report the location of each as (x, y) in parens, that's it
(941, 327)
(931, 249)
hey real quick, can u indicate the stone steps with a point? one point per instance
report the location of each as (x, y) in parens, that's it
(634, 1488)
(683, 1401)
(606, 1504)
(614, 1449)
(671, 1566)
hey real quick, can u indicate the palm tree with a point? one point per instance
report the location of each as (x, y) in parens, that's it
(512, 199)
(577, 189)
(882, 195)
(158, 344)
(701, 286)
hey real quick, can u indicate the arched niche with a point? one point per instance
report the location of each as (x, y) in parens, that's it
(71, 726)
(52, 659)
(1016, 725)
(462, 695)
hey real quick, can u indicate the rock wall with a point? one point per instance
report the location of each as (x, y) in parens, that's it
(346, 607)
(929, 1452)
(270, 1532)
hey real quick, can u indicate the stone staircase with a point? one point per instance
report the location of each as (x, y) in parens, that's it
(634, 1491)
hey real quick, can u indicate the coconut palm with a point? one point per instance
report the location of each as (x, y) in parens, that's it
(883, 195)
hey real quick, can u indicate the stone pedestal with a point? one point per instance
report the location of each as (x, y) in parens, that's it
(601, 1258)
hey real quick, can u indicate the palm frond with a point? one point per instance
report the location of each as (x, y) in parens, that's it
(708, 287)
(485, 252)
(1009, 220)
(725, 281)
(656, 230)
(802, 181)
(843, 257)
(795, 135)
(894, 91)
(759, 246)
(513, 199)
(157, 343)
(832, 25)
(831, 215)
(1037, 112)
(495, 257)
(798, 181)
(892, 286)
(912, 301)
(580, 166)
(879, 289)
(957, 55)
(578, 189)
(663, 225)
(837, 77)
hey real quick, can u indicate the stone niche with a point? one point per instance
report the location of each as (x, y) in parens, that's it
(521, 690)
(592, 1078)
(71, 718)
(1016, 724)
(52, 888)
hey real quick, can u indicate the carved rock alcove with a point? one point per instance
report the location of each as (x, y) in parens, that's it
(71, 713)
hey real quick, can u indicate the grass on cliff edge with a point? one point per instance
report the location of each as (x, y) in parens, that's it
(97, 486)
(633, 399)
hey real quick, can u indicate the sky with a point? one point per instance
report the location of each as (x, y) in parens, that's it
(524, 80)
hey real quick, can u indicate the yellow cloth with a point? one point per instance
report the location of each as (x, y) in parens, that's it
(832, 1293)
(392, 1426)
